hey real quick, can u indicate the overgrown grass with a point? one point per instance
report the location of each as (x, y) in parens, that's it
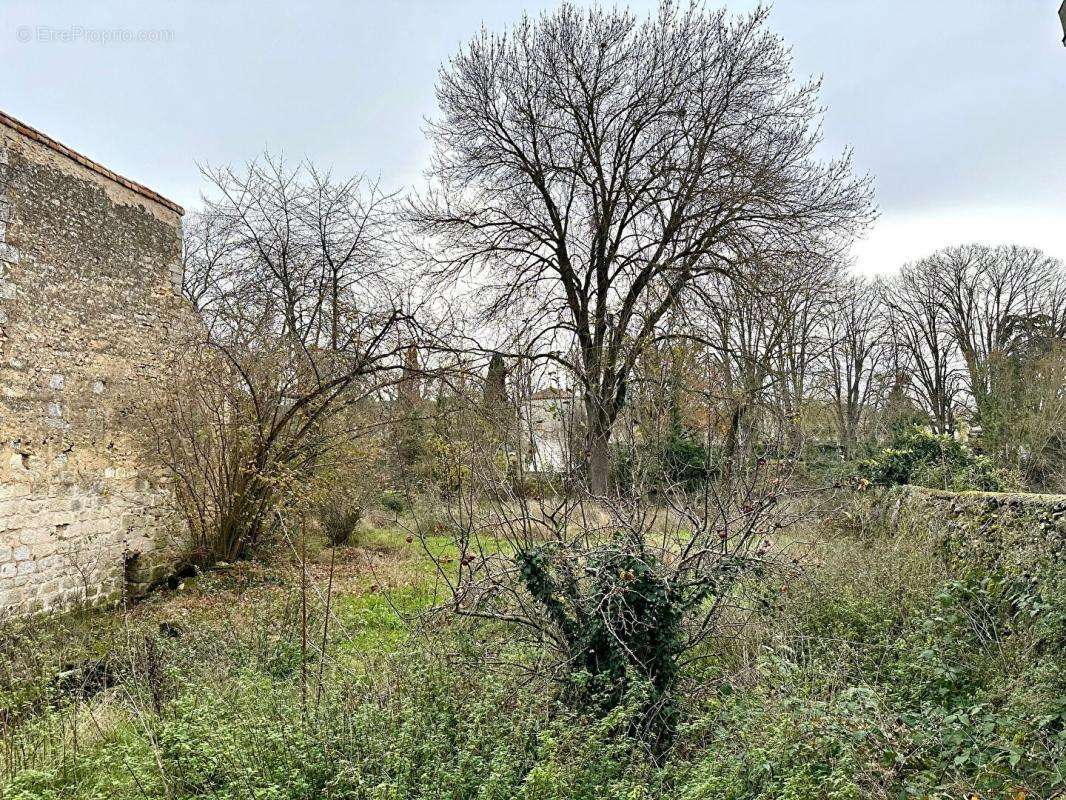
(882, 672)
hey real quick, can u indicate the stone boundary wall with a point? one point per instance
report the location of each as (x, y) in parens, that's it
(89, 301)
(1012, 528)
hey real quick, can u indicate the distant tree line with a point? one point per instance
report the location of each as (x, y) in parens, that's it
(969, 341)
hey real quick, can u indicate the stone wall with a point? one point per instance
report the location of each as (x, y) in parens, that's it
(984, 528)
(88, 269)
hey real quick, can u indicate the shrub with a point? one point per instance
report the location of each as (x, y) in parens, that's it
(636, 630)
(686, 462)
(350, 479)
(394, 502)
(937, 462)
(339, 521)
(679, 461)
(609, 591)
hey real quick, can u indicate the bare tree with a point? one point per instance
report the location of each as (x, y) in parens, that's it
(208, 262)
(590, 168)
(761, 324)
(928, 351)
(802, 306)
(989, 294)
(1035, 440)
(858, 350)
(964, 315)
(287, 269)
(747, 338)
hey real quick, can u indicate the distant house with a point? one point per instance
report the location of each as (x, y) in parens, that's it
(548, 430)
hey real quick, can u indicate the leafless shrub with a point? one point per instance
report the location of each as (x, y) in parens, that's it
(289, 270)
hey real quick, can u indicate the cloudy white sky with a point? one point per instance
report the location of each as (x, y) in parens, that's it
(956, 107)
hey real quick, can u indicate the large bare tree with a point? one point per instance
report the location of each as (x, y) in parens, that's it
(590, 167)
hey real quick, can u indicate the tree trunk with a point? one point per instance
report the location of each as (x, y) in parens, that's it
(599, 459)
(732, 439)
(851, 435)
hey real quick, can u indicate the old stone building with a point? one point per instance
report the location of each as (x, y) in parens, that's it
(89, 294)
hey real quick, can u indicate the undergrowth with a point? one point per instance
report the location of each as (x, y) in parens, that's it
(882, 672)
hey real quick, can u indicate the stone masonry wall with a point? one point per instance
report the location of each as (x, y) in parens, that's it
(88, 266)
(987, 528)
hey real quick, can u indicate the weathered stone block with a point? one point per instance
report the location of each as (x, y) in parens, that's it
(34, 536)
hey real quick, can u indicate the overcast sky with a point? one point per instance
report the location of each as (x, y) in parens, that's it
(956, 107)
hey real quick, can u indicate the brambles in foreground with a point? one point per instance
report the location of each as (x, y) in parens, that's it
(882, 672)
(615, 593)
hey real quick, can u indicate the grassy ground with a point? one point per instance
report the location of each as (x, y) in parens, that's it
(878, 673)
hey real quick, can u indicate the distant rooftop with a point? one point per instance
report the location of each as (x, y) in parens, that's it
(42, 138)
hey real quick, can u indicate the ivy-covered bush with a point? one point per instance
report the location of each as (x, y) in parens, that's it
(935, 461)
(622, 624)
